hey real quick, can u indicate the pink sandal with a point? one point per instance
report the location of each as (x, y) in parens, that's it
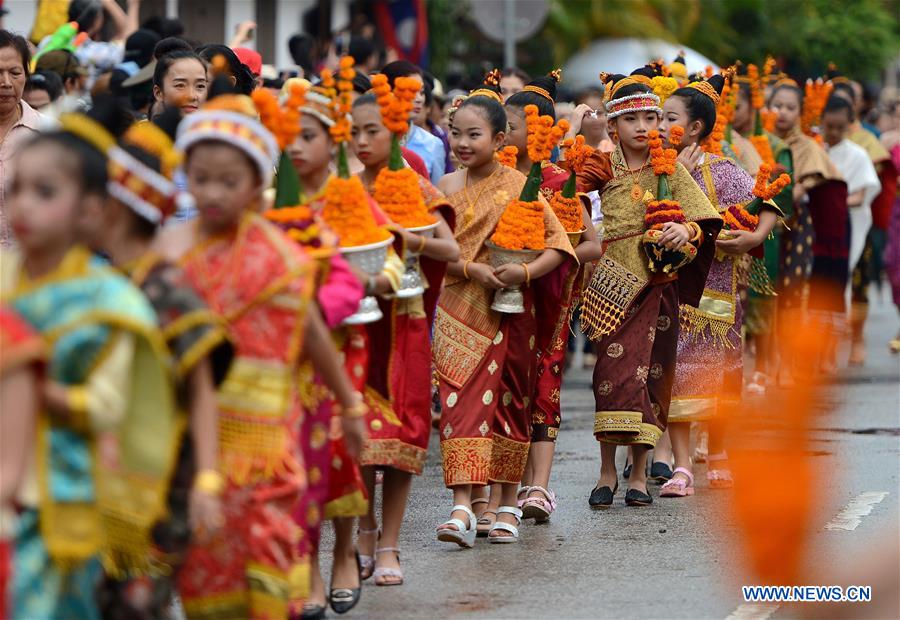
(678, 487)
(718, 478)
(539, 508)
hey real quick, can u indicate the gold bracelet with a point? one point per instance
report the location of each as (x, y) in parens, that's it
(210, 482)
(422, 245)
(357, 410)
(466, 270)
(527, 274)
(698, 232)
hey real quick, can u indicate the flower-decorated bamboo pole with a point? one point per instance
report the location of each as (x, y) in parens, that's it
(565, 203)
(284, 123)
(522, 224)
(746, 217)
(396, 188)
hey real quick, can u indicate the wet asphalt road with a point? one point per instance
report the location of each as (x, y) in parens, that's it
(675, 559)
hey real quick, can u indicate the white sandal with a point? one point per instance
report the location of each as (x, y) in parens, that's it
(506, 527)
(464, 534)
(367, 562)
(394, 573)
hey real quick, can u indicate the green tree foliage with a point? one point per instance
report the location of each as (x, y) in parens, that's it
(860, 36)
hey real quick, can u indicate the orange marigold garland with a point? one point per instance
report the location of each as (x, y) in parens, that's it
(664, 162)
(522, 224)
(521, 227)
(282, 120)
(746, 217)
(343, 102)
(508, 156)
(577, 152)
(565, 203)
(347, 211)
(396, 188)
(815, 96)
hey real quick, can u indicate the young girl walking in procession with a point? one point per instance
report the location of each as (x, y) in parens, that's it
(262, 284)
(399, 374)
(630, 311)
(555, 294)
(709, 364)
(141, 197)
(107, 434)
(484, 359)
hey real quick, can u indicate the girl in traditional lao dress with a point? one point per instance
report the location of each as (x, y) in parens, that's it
(709, 367)
(555, 295)
(484, 359)
(628, 310)
(106, 436)
(399, 373)
(817, 247)
(142, 195)
(262, 284)
(335, 488)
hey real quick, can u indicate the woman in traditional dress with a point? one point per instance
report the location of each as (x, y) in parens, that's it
(762, 312)
(141, 197)
(106, 439)
(262, 284)
(816, 249)
(484, 359)
(555, 295)
(630, 312)
(863, 185)
(335, 488)
(709, 367)
(398, 389)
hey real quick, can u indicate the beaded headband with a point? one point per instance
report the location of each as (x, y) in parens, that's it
(319, 106)
(638, 102)
(631, 79)
(235, 128)
(537, 89)
(146, 192)
(707, 89)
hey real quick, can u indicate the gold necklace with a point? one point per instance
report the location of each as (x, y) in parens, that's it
(481, 191)
(637, 190)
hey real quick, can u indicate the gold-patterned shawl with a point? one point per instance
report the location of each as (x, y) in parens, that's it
(465, 325)
(623, 271)
(811, 163)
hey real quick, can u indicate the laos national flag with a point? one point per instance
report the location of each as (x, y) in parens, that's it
(404, 27)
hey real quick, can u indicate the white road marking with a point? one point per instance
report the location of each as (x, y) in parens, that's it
(753, 611)
(851, 516)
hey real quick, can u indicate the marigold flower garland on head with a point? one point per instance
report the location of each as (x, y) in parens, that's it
(347, 209)
(396, 188)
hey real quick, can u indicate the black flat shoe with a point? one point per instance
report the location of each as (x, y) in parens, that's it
(343, 600)
(626, 473)
(633, 497)
(660, 472)
(312, 612)
(602, 498)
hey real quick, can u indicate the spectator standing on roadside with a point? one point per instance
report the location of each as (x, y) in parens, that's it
(18, 120)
